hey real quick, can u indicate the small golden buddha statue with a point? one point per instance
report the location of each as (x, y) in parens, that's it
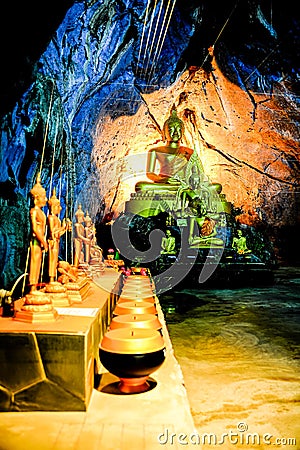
(168, 244)
(89, 232)
(79, 237)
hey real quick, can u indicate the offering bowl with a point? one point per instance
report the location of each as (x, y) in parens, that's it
(135, 321)
(136, 307)
(132, 355)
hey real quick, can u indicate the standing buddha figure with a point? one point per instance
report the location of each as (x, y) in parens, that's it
(55, 230)
(38, 243)
(79, 237)
(89, 231)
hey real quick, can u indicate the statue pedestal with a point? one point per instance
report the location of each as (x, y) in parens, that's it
(73, 292)
(151, 203)
(58, 294)
(36, 316)
(54, 365)
(37, 307)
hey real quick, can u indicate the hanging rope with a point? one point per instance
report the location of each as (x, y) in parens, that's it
(154, 36)
(53, 160)
(221, 31)
(60, 175)
(263, 61)
(143, 32)
(149, 32)
(66, 201)
(47, 127)
(26, 270)
(271, 15)
(157, 53)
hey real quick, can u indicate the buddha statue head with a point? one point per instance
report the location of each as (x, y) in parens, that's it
(173, 128)
(38, 193)
(79, 214)
(88, 220)
(54, 203)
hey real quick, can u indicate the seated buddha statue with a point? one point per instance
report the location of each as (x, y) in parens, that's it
(207, 233)
(176, 162)
(239, 244)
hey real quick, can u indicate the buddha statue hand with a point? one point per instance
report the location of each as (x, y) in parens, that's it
(44, 245)
(173, 181)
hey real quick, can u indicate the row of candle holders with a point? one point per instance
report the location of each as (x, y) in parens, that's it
(133, 347)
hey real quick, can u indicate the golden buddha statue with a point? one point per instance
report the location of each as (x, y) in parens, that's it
(239, 244)
(207, 233)
(89, 232)
(38, 243)
(176, 162)
(79, 237)
(172, 159)
(177, 184)
(168, 244)
(37, 306)
(55, 230)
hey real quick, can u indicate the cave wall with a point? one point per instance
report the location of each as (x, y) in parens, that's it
(97, 103)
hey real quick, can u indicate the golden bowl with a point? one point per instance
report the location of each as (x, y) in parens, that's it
(136, 307)
(136, 298)
(132, 341)
(135, 321)
(132, 355)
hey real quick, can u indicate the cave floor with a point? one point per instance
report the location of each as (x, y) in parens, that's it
(239, 351)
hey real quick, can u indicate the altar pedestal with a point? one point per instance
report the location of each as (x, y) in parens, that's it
(51, 366)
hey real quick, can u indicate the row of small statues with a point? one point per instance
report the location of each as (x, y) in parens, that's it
(47, 231)
(239, 244)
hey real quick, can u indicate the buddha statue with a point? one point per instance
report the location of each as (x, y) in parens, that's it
(176, 162)
(177, 184)
(38, 243)
(239, 244)
(168, 244)
(207, 233)
(89, 233)
(56, 229)
(79, 237)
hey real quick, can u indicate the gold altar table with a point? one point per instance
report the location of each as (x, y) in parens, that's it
(52, 366)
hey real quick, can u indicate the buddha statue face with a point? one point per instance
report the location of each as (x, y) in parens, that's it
(80, 217)
(173, 128)
(88, 221)
(54, 204)
(38, 194)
